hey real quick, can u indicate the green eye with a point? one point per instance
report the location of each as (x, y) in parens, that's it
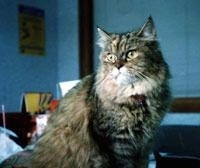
(111, 58)
(132, 54)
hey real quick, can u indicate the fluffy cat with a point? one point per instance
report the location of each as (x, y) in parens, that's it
(109, 119)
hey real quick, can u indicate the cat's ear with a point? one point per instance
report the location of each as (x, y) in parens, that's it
(104, 37)
(148, 30)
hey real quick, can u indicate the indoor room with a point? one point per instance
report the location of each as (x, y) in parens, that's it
(47, 47)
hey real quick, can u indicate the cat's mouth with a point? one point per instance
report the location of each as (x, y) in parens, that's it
(123, 77)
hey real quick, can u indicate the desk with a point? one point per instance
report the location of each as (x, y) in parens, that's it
(23, 124)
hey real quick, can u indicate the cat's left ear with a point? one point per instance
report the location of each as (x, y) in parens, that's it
(148, 30)
(104, 37)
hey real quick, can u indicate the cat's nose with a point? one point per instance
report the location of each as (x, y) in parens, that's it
(119, 64)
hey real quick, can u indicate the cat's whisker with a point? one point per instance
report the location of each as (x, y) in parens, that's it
(140, 76)
(101, 80)
(143, 76)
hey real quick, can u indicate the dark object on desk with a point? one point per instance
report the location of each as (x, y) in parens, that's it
(23, 124)
(174, 161)
(177, 146)
(179, 142)
(178, 139)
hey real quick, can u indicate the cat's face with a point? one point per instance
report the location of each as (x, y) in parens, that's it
(130, 57)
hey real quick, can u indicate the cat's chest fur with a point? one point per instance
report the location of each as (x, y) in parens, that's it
(119, 129)
(120, 110)
(124, 120)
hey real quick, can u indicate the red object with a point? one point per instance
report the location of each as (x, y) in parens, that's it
(53, 104)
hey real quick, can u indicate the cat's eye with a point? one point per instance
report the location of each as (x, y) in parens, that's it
(111, 58)
(132, 54)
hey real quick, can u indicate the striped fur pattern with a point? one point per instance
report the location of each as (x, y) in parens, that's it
(110, 118)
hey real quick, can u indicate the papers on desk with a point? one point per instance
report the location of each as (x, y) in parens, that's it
(36, 102)
(66, 86)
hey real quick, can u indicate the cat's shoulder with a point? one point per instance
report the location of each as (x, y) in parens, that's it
(76, 100)
(87, 81)
(82, 88)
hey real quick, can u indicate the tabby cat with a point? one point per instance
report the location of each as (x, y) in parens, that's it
(109, 119)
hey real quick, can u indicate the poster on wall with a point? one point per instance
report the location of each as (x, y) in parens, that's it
(31, 31)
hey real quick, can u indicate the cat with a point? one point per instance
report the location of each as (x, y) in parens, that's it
(109, 119)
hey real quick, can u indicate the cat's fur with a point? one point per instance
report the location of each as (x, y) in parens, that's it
(109, 119)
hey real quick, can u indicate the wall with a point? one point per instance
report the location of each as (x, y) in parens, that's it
(178, 28)
(20, 73)
(68, 49)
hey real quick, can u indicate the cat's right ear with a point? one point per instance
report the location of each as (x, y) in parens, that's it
(148, 30)
(104, 37)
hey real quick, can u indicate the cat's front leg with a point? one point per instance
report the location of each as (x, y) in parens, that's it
(143, 163)
(143, 159)
(124, 164)
(122, 155)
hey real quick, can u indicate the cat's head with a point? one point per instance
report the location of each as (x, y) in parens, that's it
(131, 57)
